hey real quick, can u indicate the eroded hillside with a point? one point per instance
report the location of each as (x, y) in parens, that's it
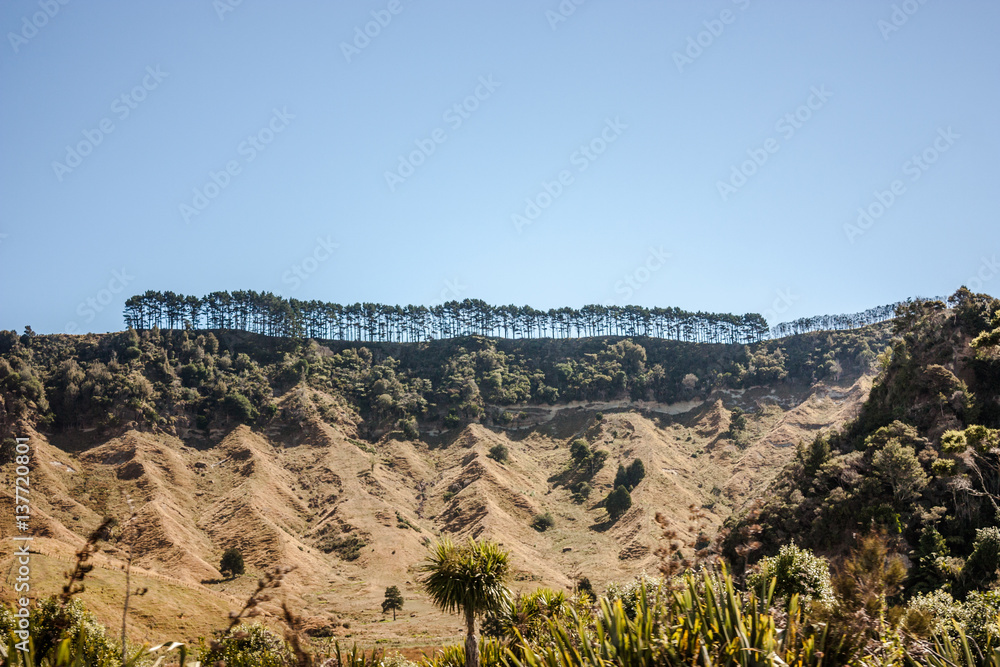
(310, 487)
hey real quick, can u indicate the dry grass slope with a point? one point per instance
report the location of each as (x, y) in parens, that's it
(353, 517)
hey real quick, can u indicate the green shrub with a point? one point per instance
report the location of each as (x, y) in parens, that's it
(737, 425)
(409, 427)
(248, 646)
(635, 473)
(618, 502)
(579, 450)
(238, 406)
(980, 568)
(542, 522)
(980, 612)
(8, 450)
(953, 442)
(50, 622)
(8, 339)
(797, 571)
(403, 522)
(629, 594)
(499, 452)
(347, 546)
(943, 467)
(528, 613)
(982, 439)
(491, 654)
(931, 613)
(932, 569)
(193, 375)
(596, 460)
(581, 491)
(292, 373)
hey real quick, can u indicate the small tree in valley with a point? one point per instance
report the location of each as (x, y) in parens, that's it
(393, 600)
(232, 562)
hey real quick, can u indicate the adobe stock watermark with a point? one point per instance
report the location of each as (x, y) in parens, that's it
(787, 126)
(453, 291)
(90, 307)
(31, 25)
(248, 149)
(381, 18)
(562, 12)
(223, 7)
(122, 107)
(581, 158)
(915, 167)
(706, 38)
(454, 116)
(784, 299)
(302, 270)
(22, 554)
(633, 281)
(987, 271)
(899, 17)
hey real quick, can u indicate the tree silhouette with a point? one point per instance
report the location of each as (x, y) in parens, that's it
(232, 562)
(270, 315)
(618, 502)
(393, 600)
(635, 473)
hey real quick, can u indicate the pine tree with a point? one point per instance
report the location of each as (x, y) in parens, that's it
(393, 600)
(635, 473)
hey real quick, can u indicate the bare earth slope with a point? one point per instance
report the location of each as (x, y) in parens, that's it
(354, 517)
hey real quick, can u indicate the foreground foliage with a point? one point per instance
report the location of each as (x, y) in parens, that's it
(469, 578)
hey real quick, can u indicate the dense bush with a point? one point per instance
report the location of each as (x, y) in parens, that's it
(527, 613)
(581, 491)
(409, 427)
(50, 622)
(579, 450)
(542, 522)
(918, 462)
(631, 593)
(796, 571)
(631, 476)
(247, 646)
(238, 406)
(980, 569)
(452, 420)
(232, 562)
(499, 452)
(160, 377)
(618, 502)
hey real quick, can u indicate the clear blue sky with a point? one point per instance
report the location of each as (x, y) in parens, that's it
(187, 88)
